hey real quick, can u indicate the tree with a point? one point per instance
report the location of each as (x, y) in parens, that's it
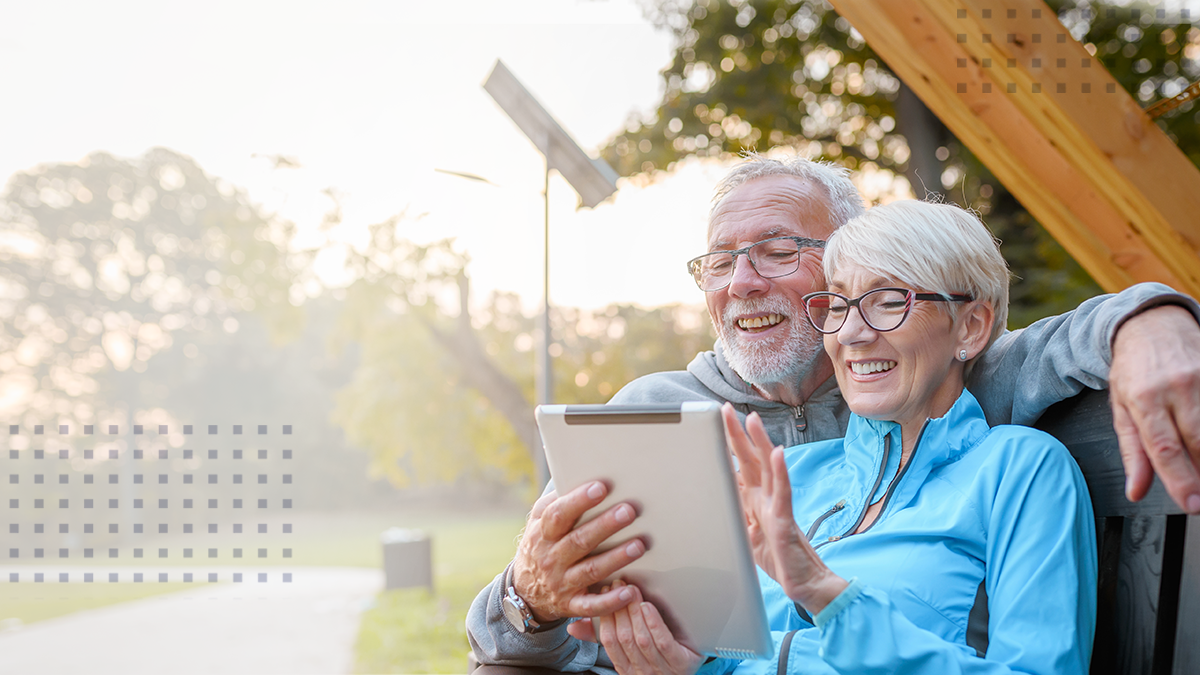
(747, 75)
(443, 393)
(105, 260)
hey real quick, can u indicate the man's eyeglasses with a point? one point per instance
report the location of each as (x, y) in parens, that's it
(883, 309)
(771, 258)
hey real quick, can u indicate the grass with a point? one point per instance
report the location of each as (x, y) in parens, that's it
(414, 631)
(24, 603)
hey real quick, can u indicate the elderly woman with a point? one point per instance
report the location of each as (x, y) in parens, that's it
(924, 541)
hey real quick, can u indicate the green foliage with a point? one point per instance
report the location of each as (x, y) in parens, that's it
(749, 75)
(752, 75)
(604, 350)
(408, 404)
(443, 393)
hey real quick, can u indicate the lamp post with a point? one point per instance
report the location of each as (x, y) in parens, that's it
(593, 179)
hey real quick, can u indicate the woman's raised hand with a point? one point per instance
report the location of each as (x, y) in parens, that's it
(778, 545)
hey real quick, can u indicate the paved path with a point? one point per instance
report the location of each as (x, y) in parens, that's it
(307, 626)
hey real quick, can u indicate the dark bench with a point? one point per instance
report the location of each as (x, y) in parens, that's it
(1148, 609)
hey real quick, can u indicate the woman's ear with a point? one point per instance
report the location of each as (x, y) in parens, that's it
(975, 327)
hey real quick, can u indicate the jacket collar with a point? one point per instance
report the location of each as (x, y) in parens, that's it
(942, 440)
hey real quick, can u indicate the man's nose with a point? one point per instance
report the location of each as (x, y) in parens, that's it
(745, 280)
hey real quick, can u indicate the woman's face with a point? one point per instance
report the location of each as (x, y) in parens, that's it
(906, 375)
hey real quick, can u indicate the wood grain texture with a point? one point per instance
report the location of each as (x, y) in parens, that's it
(1089, 164)
(1138, 576)
(1084, 425)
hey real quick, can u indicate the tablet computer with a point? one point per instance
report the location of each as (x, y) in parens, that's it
(670, 462)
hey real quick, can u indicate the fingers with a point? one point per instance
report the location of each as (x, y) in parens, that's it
(1154, 384)
(1138, 473)
(583, 629)
(560, 515)
(554, 568)
(742, 446)
(584, 539)
(1170, 459)
(678, 658)
(624, 632)
(606, 629)
(781, 486)
(540, 505)
(600, 604)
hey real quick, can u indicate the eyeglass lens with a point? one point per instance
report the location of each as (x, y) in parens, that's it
(771, 258)
(883, 309)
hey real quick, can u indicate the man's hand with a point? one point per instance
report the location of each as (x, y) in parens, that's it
(638, 640)
(1154, 387)
(554, 566)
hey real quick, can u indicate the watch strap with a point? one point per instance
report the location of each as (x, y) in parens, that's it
(529, 626)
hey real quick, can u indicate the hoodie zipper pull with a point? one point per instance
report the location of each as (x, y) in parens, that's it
(801, 423)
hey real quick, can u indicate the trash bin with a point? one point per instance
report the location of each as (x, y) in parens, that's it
(407, 558)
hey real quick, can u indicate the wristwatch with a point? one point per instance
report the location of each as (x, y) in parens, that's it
(518, 613)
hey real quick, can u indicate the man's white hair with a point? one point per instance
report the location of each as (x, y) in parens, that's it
(932, 247)
(845, 202)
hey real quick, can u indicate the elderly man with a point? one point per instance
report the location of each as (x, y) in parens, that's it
(766, 232)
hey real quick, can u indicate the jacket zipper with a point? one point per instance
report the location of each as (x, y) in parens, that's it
(887, 443)
(820, 519)
(887, 496)
(798, 414)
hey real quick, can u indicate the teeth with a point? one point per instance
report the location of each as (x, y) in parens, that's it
(868, 367)
(760, 322)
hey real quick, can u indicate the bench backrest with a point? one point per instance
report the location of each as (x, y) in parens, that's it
(1149, 585)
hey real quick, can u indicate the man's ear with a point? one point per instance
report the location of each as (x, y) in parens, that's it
(975, 327)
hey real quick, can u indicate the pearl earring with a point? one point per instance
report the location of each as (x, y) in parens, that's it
(962, 355)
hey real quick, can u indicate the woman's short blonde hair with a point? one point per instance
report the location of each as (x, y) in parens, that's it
(939, 248)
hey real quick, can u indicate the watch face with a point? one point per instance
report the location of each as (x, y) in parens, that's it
(514, 614)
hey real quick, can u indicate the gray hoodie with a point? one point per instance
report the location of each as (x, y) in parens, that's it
(1015, 381)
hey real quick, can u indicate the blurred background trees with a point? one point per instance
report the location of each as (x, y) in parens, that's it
(756, 74)
(146, 291)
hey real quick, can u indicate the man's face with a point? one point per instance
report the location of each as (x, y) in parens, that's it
(761, 321)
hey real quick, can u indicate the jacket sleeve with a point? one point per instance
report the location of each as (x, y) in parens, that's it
(1028, 370)
(495, 642)
(1040, 581)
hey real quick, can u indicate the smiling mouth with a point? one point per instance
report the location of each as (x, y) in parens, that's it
(868, 367)
(760, 322)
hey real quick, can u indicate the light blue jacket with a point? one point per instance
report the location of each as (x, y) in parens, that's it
(982, 560)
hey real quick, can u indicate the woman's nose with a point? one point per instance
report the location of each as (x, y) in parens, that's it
(855, 330)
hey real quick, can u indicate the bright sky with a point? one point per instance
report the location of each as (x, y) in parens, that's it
(370, 98)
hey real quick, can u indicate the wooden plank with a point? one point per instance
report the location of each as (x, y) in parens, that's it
(998, 133)
(1187, 629)
(1094, 129)
(1118, 195)
(1154, 182)
(1138, 576)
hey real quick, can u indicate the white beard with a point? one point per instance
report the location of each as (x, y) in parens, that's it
(784, 358)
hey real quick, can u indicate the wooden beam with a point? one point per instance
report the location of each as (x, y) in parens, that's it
(1053, 125)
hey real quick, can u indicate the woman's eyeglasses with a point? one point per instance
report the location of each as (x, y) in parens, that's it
(883, 309)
